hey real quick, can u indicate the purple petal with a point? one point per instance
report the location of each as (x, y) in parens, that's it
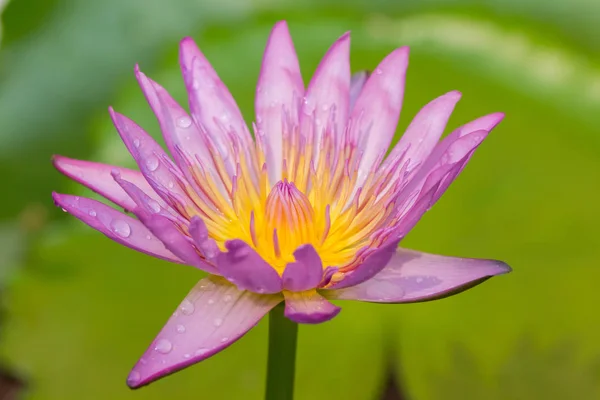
(242, 266)
(211, 104)
(176, 242)
(414, 276)
(179, 131)
(279, 87)
(154, 163)
(375, 115)
(425, 130)
(306, 272)
(117, 226)
(326, 103)
(213, 316)
(357, 82)
(369, 268)
(309, 307)
(96, 176)
(199, 233)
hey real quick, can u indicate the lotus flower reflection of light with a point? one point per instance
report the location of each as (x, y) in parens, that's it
(309, 210)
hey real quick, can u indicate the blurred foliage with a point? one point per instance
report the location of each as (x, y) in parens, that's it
(81, 308)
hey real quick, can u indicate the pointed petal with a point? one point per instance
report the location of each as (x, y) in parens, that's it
(115, 225)
(328, 95)
(178, 129)
(211, 104)
(154, 163)
(377, 109)
(309, 307)
(414, 276)
(374, 263)
(306, 272)
(357, 82)
(242, 266)
(213, 316)
(176, 242)
(425, 130)
(96, 176)
(280, 88)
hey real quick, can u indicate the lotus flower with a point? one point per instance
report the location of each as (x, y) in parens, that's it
(305, 210)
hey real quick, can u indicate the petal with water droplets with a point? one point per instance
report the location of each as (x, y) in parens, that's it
(414, 276)
(117, 226)
(213, 316)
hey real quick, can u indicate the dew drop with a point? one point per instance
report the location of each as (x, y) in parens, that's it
(378, 71)
(211, 301)
(187, 355)
(218, 322)
(136, 142)
(121, 228)
(184, 122)
(180, 329)
(134, 377)
(200, 351)
(170, 185)
(64, 209)
(224, 339)
(92, 213)
(153, 204)
(163, 346)
(227, 299)
(187, 307)
(148, 237)
(419, 280)
(196, 84)
(152, 163)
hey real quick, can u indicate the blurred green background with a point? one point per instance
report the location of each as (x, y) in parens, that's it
(79, 309)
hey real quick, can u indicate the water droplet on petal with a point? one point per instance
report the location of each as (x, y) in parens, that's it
(153, 204)
(187, 355)
(419, 280)
(200, 351)
(227, 299)
(184, 122)
(92, 213)
(196, 84)
(218, 322)
(224, 339)
(180, 328)
(152, 163)
(170, 185)
(211, 301)
(163, 346)
(136, 142)
(148, 237)
(64, 209)
(121, 228)
(187, 307)
(378, 71)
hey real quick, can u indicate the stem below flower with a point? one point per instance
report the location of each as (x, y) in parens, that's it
(282, 356)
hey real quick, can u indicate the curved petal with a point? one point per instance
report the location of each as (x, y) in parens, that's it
(375, 115)
(280, 88)
(158, 169)
(374, 263)
(424, 131)
(199, 233)
(306, 272)
(243, 267)
(309, 307)
(211, 104)
(327, 102)
(213, 316)
(357, 82)
(115, 225)
(414, 276)
(96, 176)
(175, 241)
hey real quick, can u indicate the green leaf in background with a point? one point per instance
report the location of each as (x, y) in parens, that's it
(83, 308)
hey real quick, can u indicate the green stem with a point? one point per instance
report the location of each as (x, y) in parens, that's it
(282, 356)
